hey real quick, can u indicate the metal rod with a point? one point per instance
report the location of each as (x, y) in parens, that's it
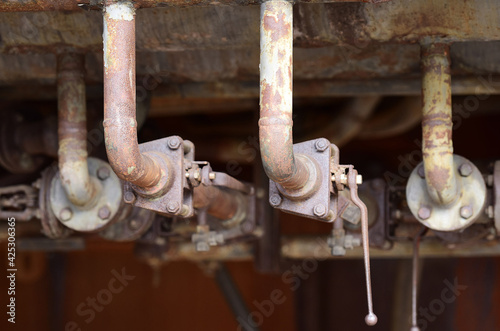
(72, 129)
(370, 319)
(217, 202)
(120, 125)
(437, 125)
(275, 123)
(414, 279)
(233, 297)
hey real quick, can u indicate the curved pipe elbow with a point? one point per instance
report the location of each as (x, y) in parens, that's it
(72, 129)
(437, 125)
(120, 125)
(276, 79)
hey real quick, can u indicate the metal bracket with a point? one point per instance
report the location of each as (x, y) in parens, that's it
(177, 198)
(319, 206)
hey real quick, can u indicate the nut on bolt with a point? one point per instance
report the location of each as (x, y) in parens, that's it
(174, 143)
(103, 173)
(321, 145)
(319, 210)
(424, 212)
(275, 200)
(66, 214)
(104, 213)
(129, 197)
(173, 207)
(465, 169)
(466, 212)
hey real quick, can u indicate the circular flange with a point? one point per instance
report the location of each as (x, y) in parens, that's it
(312, 184)
(99, 212)
(132, 223)
(458, 215)
(51, 227)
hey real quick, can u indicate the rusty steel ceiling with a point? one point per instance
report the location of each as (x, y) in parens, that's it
(338, 42)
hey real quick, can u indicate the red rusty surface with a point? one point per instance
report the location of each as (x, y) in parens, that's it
(120, 125)
(217, 202)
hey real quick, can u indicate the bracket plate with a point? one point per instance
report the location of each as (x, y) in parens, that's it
(321, 197)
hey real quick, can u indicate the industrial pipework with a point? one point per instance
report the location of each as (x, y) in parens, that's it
(290, 171)
(72, 129)
(302, 175)
(445, 192)
(120, 124)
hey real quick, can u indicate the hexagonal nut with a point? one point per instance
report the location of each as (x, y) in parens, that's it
(129, 197)
(424, 212)
(103, 173)
(466, 212)
(275, 200)
(104, 213)
(174, 143)
(321, 145)
(319, 210)
(465, 169)
(173, 207)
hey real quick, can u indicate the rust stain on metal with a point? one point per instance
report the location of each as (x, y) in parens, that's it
(120, 126)
(275, 124)
(217, 202)
(437, 125)
(72, 129)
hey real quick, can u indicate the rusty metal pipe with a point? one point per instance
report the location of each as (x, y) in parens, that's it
(437, 145)
(72, 129)
(217, 202)
(120, 124)
(275, 124)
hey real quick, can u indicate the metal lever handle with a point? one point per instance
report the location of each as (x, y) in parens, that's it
(370, 319)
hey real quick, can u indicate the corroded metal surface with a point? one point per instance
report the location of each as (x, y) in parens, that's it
(314, 199)
(97, 213)
(217, 202)
(120, 125)
(450, 217)
(72, 129)
(437, 125)
(275, 123)
(67, 5)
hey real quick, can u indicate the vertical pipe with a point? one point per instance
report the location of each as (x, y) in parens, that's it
(437, 145)
(120, 125)
(72, 129)
(276, 71)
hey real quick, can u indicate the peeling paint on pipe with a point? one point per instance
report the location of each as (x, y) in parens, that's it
(276, 72)
(72, 129)
(120, 125)
(437, 125)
